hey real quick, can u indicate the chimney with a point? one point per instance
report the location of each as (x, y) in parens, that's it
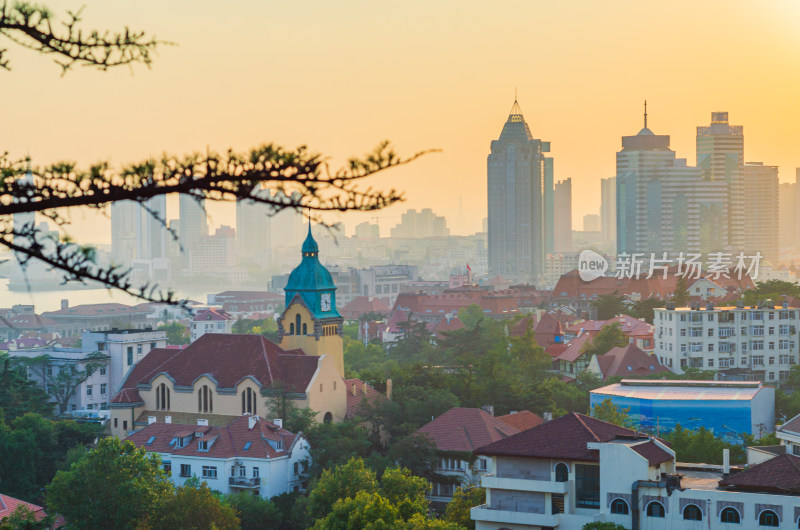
(547, 416)
(202, 422)
(489, 409)
(365, 388)
(785, 304)
(64, 303)
(151, 420)
(353, 391)
(168, 419)
(251, 422)
(726, 462)
(278, 422)
(388, 389)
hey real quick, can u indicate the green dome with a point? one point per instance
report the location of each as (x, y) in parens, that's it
(310, 279)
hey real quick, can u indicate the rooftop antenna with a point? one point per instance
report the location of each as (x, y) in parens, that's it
(645, 114)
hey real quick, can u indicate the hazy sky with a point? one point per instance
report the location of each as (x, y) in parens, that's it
(342, 76)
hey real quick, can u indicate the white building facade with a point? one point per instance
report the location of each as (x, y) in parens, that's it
(761, 340)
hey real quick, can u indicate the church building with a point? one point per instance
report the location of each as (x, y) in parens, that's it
(220, 376)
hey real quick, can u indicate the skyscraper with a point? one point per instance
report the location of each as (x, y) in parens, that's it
(608, 211)
(253, 232)
(642, 166)
(562, 227)
(192, 224)
(517, 170)
(761, 210)
(136, 232)
(720, 154)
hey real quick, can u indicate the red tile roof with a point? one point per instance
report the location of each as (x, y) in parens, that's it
(781, 474)
(8, 505)
(445, 325)
(574, 348)
(564, 438)
(361, 305)
(101, 310)
(228, 442)
(654, 454)
(357, 392)
(628, 361)
(465, 429)
(522, 420)
(228, 359)
(793, 425)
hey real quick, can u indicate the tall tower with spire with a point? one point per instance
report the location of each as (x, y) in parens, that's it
(520, 193)
(310, 321)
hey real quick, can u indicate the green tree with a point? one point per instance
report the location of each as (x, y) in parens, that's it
(254, 511)
(405, 491)
(701, 446)
(609, 337)
(471, 315)
(464, 499)
(609, 305)
(334, 444)
(280, 405)
(63, 380)
(177, 333)
(602, 526)
(770, 290)
(608, 411)
(192, 507)
(125, 483)
(367, 511)
(23, 518)
(340, 482)
(681, 294)
(645, 307)
(18, 395)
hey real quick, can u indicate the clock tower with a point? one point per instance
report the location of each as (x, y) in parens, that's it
(310, 321)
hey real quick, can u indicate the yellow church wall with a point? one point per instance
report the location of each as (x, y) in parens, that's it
(331, 345)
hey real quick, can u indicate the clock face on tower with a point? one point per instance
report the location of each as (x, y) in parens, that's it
(325, 302)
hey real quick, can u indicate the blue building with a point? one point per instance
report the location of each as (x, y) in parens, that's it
(728, 409)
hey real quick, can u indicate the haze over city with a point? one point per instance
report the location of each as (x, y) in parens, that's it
(342, 77)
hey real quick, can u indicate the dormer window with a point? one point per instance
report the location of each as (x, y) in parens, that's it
(247, 446)
(151, 440)
(202, 445)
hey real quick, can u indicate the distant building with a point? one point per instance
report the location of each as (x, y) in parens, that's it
(249, 455)
(626, 361)
(608, 210)
(416, 225)
(562, 226)
(192, 224)
(761, 229)
(216, 256)
(210, 321)
(520, 189)
(367, 230)
(728, 409)
(99, 317)
(253, 232)
(592, 223)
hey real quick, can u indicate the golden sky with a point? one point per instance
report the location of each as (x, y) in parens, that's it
(342, 76)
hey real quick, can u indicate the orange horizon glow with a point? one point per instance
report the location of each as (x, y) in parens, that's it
(341, 77)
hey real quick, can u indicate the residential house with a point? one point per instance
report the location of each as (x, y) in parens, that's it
(211, 320)
(626, 361)
(577, 470)
(250, 455)
(457, 433)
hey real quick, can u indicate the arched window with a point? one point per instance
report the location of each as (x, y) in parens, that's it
(305, 328)
(730, 515)
(655, 509)
(205, 399)
(562, 472)
(291, 328)
(162, 397)
(249, 401)
(768, 518)
(328, 418)
(692, 513)
(297, 323)
(619, 507)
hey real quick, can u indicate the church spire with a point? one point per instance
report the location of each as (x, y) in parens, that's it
(645, 114)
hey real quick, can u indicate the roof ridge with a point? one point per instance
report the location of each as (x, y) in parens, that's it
(266, 360)
(580, 419)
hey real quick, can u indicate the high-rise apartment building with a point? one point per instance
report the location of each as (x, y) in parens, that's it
(253, 232)
(192, 223)
(139, 232)
(789, 213)
(517, 175)
(425, 223)
(592, 223)
(608, 210)
(368, 230)
(720, 155)
(562, 227)
(761, 210)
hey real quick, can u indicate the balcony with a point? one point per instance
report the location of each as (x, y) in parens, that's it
(244, 482)
(489, 515)
(523, 484)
